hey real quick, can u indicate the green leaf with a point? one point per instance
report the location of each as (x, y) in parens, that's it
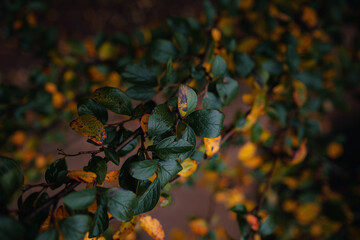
(11, 180)
(113, 99)
(219, 66)
(163, 50)
(170, 148)
(33, 201)
(90, 127)
(187, 134)
(75, 227)
(97, 165)
(100, 222)
(169, 73)
(210, 12)
(187, 100)
(149, 198)
(140, 93)
(244, 64)
(240, 209)
(81, 199)
(181, 43)
(292, 58)
(167, 170)
(126, 181)
(139, 76)
(206, 123)
(160, 121)
(112, 155)
(89, 106)
(57, 173)
(227, 89)
(49, 234)
(143, 169)
(211, 101)
(256, 132)
(121, 203)
(197, 155)
(11, 229)
(273, 67)
(268, 227)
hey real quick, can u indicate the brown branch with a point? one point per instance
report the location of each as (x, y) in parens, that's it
(118, 123)
(61, 152)
(29, 186)
(70, 188)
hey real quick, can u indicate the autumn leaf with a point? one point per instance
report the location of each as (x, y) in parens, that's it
(309, 17)
(90, 127)
(189, 167)
(258, 109)
(253, 222)
(125, 229)
(212, 145)
(82, 176)
(61, 213)
(187, 100)
(144, 122)
(300, 93)
(112, 176)
(86, 237)
(247, 151)
(300, 154)
(199, 226)
(335, 150)
(152, 227)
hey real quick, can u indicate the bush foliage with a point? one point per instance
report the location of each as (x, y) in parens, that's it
(284, 60)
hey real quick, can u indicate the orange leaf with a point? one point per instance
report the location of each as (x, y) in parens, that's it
(125, 229)
(89, 126)
(199, 226)
(82, 176)
(61, 213)
(144, 122)
(86, 237)
(253, 222)
(335, 150)
(216, 34)
(212, 145)
(300, 154)
(152, 227)
(112, 176)
(189, 167)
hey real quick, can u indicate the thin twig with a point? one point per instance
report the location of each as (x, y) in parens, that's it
(61, 152)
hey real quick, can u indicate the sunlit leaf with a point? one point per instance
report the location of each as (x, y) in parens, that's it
(90, 127)
(82, 176)
(189, 167)
(212, 145)
(152, 227)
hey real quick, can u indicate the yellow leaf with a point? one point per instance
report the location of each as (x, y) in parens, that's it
(189, 167)
(300, 93)
(112, 176)
(199, 226)
(106, 51)
(86, 237)
(58, 100)
(50, 87)
(82, 176)
(300, 154)
(46, 224)
(335, 150)
(178, 234)
(125, 229)
(252, 162)
(247, 151)
(144, 122)
(93, 207)
(212, 145)
(257, 110)
(152, 227)
(89, 126)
